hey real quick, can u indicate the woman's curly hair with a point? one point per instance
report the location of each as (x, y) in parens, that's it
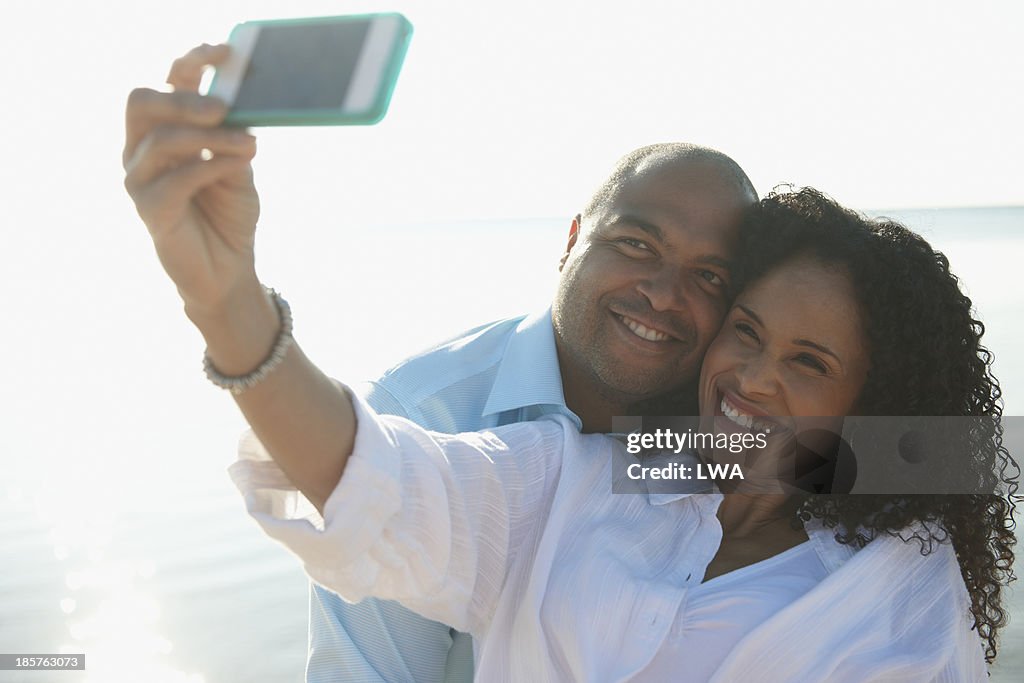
(926, 360)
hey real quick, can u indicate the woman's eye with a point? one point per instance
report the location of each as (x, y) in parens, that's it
(811, 362)
(746, 330)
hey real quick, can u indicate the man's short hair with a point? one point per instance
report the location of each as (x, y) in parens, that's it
(666, 153)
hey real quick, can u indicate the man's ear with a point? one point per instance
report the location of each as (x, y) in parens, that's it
(574, 233)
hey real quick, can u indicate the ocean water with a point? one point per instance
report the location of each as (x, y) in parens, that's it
(120, 533)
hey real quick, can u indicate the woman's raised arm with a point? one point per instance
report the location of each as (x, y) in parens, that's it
(191, 181)
(434, 521)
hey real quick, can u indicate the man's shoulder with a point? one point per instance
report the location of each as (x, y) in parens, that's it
(487, 338)
(458, 358)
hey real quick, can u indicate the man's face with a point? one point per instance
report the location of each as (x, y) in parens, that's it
(645, 281)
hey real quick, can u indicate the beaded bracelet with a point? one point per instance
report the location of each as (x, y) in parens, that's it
(238, 384)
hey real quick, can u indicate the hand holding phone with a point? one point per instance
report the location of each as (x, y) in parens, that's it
(192, 183)
(312, 72)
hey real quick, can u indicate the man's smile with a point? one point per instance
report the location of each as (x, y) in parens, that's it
(644, 331)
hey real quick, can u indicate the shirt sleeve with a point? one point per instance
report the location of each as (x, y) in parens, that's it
(381, 399)
(430, 520)
(380, 640)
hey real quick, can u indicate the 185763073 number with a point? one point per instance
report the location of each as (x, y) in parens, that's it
(36, 662)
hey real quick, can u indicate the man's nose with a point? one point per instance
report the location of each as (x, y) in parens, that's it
(666, 289)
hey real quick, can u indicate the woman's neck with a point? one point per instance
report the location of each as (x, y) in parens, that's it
(746, 514)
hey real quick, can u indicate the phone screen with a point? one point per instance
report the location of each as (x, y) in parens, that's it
(319, 71)
(302, 66)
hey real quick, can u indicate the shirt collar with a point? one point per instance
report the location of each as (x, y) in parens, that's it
(528, 374)
(665, 491)
(833, 555)
(655, 498)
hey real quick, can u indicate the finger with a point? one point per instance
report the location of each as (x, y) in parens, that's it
(169, 146)
(148, 108)
(187, 71)
(162, 203)
(241, 178)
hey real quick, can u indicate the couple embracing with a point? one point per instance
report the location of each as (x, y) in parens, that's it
(458, 519)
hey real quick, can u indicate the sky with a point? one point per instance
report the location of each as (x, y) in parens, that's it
(506, 110)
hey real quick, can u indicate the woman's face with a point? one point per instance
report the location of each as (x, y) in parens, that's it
(793, 345)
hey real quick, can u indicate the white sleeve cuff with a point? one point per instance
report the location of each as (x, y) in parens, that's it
(348, 550)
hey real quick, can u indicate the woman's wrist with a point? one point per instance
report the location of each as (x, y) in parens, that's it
(240, 328)
(238, 384)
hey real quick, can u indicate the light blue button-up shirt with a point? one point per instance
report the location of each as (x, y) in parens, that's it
(497, 374)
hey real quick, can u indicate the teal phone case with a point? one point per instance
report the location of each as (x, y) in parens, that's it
(329, 117)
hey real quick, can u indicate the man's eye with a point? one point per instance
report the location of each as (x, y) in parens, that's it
(712, 277)
(634, 243)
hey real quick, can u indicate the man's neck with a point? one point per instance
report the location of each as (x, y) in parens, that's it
(597, 405)
(594, 410)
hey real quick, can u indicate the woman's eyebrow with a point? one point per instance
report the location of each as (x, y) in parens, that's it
(799, 342)
(819, 347)
(750, 313)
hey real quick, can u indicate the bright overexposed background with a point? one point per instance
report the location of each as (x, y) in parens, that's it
(120, 535)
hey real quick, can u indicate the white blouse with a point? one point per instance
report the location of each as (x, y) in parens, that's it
(717, 614)
(514, 536)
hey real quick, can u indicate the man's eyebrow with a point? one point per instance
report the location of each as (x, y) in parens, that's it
(714, 260)
(645, 225)
(658, 234)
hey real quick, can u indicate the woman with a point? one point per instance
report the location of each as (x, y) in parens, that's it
(514, 536)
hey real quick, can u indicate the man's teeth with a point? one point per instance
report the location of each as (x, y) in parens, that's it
(644, 332)
(745, 421)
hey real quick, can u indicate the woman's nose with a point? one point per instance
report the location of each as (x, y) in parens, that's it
(757, 377)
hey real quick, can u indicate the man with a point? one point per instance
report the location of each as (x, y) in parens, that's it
(644, 286)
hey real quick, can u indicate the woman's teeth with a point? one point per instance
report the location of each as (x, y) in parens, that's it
(745, 421)
(643, 332)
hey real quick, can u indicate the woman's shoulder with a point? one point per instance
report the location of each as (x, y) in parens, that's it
(917, 539)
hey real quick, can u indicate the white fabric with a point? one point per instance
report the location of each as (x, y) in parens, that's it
(514, 536)
(718, 613)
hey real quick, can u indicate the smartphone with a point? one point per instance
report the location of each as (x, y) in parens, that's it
(322, 71)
